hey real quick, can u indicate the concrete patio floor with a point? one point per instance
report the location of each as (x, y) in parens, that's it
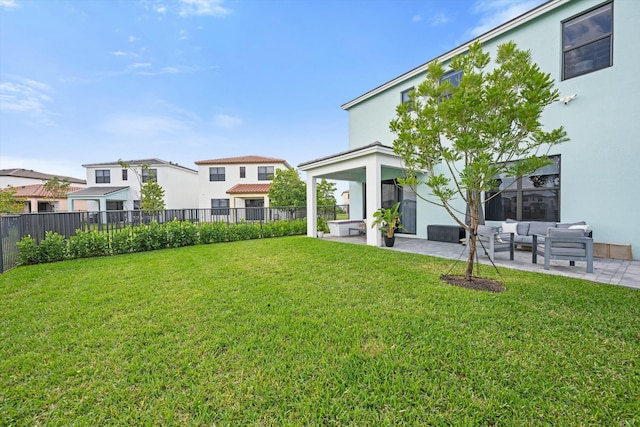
(612, 271)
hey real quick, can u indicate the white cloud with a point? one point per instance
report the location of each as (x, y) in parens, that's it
(225, 121)
(497, 12)
(143, 127)
(118, 53)
(26, 96)
(417, 18)
(141, 65)
(438, 19)
(203, 7)
(161, 9)
(132, 39)
(8, 4)
(183, 35)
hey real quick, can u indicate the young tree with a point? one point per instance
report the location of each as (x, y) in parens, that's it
(152, 197)
(287, 189)
(461, 137)
(325, 192)
(57, 189)
(9, 203)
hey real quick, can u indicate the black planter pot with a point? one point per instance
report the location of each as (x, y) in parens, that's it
(389, 241)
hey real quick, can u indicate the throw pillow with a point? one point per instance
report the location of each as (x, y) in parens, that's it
(510, 227)
(579, 227)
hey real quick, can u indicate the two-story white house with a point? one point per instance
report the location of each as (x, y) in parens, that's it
(590, 48)
(237, 182)
(112, 187)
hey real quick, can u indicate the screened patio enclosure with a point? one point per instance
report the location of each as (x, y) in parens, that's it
(372, 171)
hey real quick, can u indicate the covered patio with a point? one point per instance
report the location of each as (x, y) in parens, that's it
(605, 270)
(369, 166)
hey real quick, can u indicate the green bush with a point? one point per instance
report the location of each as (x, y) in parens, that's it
(181, 233)
(27, 251)
(53, 248)
(149, 237)
(86, 244)
(213, 232)
(122, 242)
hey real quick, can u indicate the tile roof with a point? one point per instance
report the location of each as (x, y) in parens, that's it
(240, 160)
(249, 188)
(38, 190)
(28, 173)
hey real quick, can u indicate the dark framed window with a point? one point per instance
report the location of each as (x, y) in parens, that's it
(265, 173)
(406, 98)
(216, 174)
(534, 197)
(103, 176)
(587, 42)
(220, 206)
(148, 174)
(125, 174)
(243, 172)
(452, 76)
(137, 205)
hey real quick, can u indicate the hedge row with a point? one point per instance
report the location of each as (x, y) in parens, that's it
(148, 237)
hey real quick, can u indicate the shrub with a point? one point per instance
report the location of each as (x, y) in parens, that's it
(87, 244)
(122, 242)
(148, 238)
(213, 232)
(53, 248)
(181, 233)
(27, 251)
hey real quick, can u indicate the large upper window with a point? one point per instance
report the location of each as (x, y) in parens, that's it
(406, 98)
(243, 172)
(534, 197)
(265, 173)
(587, 42)
(103, 176)
(216, 174)
(148, 174)
(453, 77)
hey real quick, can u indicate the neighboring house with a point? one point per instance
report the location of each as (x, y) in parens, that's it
(345, 197)
(113, 188)
(236, 182)
(29, 185)
(590, 48)
(18, 177)
(38, 199)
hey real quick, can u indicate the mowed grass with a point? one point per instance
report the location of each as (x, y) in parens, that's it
(300, 331)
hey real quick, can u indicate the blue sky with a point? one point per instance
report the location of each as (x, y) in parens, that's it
(87, 81)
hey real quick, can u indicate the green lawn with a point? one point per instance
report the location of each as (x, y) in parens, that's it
(299, 331)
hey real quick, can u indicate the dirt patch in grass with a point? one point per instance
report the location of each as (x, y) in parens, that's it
(476, 283)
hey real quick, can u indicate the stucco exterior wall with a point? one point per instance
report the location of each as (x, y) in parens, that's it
(208, 190)
(599, 176)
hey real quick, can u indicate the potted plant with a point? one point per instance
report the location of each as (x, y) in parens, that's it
(322, 226)
(388, 221)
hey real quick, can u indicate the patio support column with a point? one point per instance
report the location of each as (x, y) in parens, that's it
(103, 209)
(374, 198)
(312, 204)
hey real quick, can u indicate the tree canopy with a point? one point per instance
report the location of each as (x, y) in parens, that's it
(287, 189)
(57, 189)
(456, 139)
(9, 202)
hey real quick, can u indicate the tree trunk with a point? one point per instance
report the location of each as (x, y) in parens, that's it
(471, 244)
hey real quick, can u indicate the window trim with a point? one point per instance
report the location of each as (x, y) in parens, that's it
(148, 174)
(267, 175)
(217, 177)
(103, 176)
(520, 191)
(220, 210)
(564, 50)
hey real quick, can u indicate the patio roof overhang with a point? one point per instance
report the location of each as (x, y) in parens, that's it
(101, 194)
(372, 163)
